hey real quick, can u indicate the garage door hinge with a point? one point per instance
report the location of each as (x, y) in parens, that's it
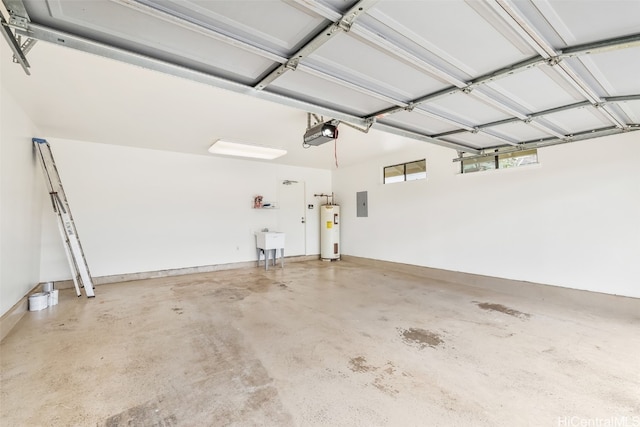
(292, 64)
(554, 60)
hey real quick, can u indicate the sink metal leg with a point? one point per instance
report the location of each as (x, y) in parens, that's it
(270, 256)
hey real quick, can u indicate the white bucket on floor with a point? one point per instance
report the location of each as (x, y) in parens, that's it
(38, 301)
(47, 287)
(52, 298)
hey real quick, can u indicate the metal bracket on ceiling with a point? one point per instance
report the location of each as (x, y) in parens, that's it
(18, 21)
(319, 119)
(554, 60)
(316, 118)
(345, 26)
(19, 50)
(347, 21)
(18, 16)
(369, 123)
(292, 64)
(25, 47)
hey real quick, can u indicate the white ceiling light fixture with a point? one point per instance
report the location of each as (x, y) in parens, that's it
(239, 149)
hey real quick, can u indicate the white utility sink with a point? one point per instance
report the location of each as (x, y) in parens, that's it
(269, 240)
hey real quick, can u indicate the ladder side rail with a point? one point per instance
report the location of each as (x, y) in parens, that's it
(74, 242)
(58, 181)
(52, 174)
(74, 239)
(69, 224)
(70, 259)
(80, 269)
(47, 177)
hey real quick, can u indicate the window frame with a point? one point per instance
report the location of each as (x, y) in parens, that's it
(404, 172)
(496, 160)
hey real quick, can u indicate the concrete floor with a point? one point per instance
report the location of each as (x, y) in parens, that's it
(332, 344)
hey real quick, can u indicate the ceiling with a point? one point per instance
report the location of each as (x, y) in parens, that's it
(474, 76)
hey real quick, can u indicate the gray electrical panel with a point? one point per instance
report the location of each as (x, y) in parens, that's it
(362, 204)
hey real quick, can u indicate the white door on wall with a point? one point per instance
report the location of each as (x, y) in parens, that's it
(291, 216)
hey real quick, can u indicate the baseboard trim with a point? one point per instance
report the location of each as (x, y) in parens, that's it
(15, 313)
(628, 307)
(128, 277)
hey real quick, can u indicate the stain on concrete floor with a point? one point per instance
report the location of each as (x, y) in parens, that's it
(420, 337)
(146, 415)
(384, 387)
(383, 376)
(230, 294)
(502, 309)
(359, 364)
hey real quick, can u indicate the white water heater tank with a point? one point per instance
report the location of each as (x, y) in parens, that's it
(330, 232)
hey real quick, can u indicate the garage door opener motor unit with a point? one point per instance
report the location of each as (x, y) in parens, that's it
(321, 133)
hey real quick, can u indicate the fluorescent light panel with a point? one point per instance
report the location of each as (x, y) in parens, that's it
(229, 148)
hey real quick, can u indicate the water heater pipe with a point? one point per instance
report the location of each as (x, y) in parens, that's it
(327, 196)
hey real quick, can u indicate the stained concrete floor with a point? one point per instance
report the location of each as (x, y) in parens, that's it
(331, 344)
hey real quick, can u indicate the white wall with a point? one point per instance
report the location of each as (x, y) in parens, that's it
(572, 221)
(140, 210)
(21, 193)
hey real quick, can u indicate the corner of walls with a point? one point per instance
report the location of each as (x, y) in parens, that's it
(21, 195)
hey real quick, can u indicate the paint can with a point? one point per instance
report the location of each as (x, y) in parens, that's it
(38, 301)
(47, 287)
(52, 298)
